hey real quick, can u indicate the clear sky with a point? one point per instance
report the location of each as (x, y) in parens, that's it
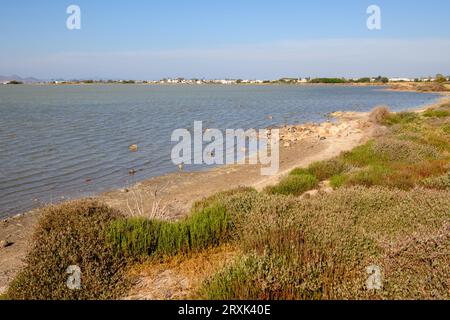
(152, 39)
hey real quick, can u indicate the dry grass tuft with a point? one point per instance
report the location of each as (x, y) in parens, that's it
(379, 114)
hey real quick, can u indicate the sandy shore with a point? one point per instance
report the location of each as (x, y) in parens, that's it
(171, 196)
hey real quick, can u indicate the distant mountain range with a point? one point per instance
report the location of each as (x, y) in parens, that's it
(17, 78)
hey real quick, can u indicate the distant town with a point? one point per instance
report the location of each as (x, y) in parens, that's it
(365, 80)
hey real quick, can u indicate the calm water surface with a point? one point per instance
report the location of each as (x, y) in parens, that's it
(71, 141)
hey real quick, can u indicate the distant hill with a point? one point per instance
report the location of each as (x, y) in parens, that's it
(18, 78)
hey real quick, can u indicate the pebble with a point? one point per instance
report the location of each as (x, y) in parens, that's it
(5, 243)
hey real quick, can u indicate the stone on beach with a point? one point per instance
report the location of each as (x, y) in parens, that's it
(294, 133)
(5, 243)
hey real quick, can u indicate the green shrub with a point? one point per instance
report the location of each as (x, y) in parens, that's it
(430, 113)
(299, 171)
(362, 156)
(71, 234)
(439, 183)
(338, 181)
(400, 118)
(446, 128)
(392, 149)
(438, 140)
(429, 135)
(173, 239)
(137, 238)
(324, 170)
(294, 185)
(134, 236)
(209, 228)
(374, 175)
(268, 277)
(220, 197)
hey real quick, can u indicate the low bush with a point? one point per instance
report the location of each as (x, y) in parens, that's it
(428, 135)
(294, 185)
(400, 118)
(323, 170)
(362, 156)
(399, 175)
(379, 114)
(71, 234)
(271, 277)
(133, 237)
(299, 171)
(221, 197)
(374, 175)
(440, 183)
(338, 181)
(446, 128)
(392, 149)
(437, 139)
(433, 113)
(139, 238)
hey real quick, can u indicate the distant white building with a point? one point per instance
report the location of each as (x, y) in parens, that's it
(401, 80)
(226, 81)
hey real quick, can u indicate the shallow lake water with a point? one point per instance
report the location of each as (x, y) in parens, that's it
(60, 142)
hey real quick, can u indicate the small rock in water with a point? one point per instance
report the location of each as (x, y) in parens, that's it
(133, 148)
(132, 172)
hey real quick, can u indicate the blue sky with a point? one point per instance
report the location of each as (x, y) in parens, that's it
(215, 39)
